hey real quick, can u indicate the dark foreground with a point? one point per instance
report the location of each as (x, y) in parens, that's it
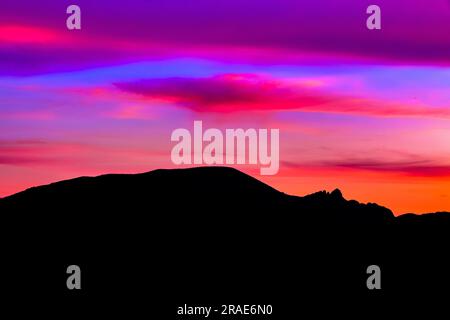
(149, 243)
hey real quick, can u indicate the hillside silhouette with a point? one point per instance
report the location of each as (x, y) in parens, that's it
(223, 188)
(215, 232)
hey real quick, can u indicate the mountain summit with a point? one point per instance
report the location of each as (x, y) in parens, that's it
(201, 190)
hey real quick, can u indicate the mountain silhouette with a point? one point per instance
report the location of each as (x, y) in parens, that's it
(215, 233)
(223, 187)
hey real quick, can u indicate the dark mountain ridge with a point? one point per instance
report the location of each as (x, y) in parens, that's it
(209, 185)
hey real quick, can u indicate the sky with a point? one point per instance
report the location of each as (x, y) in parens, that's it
(365, 111)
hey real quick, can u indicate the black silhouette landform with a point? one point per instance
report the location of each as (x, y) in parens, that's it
(203, 190)
(216, 233)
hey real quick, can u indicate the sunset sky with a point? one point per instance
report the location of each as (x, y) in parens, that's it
(366, 111)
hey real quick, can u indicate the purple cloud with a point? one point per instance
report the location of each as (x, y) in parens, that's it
(413, 32)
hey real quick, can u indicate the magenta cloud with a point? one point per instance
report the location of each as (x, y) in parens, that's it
(34, 38)
(244, 92)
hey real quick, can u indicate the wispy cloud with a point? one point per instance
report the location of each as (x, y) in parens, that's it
(419, 167)
(244, 92)
(23, 34)
(294, 31)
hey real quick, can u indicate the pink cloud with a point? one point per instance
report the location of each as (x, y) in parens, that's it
(415, 168)
(227, 93)
(25, 152)
(296, 32)
(21, 34)
(246, 92)
(418, 168)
